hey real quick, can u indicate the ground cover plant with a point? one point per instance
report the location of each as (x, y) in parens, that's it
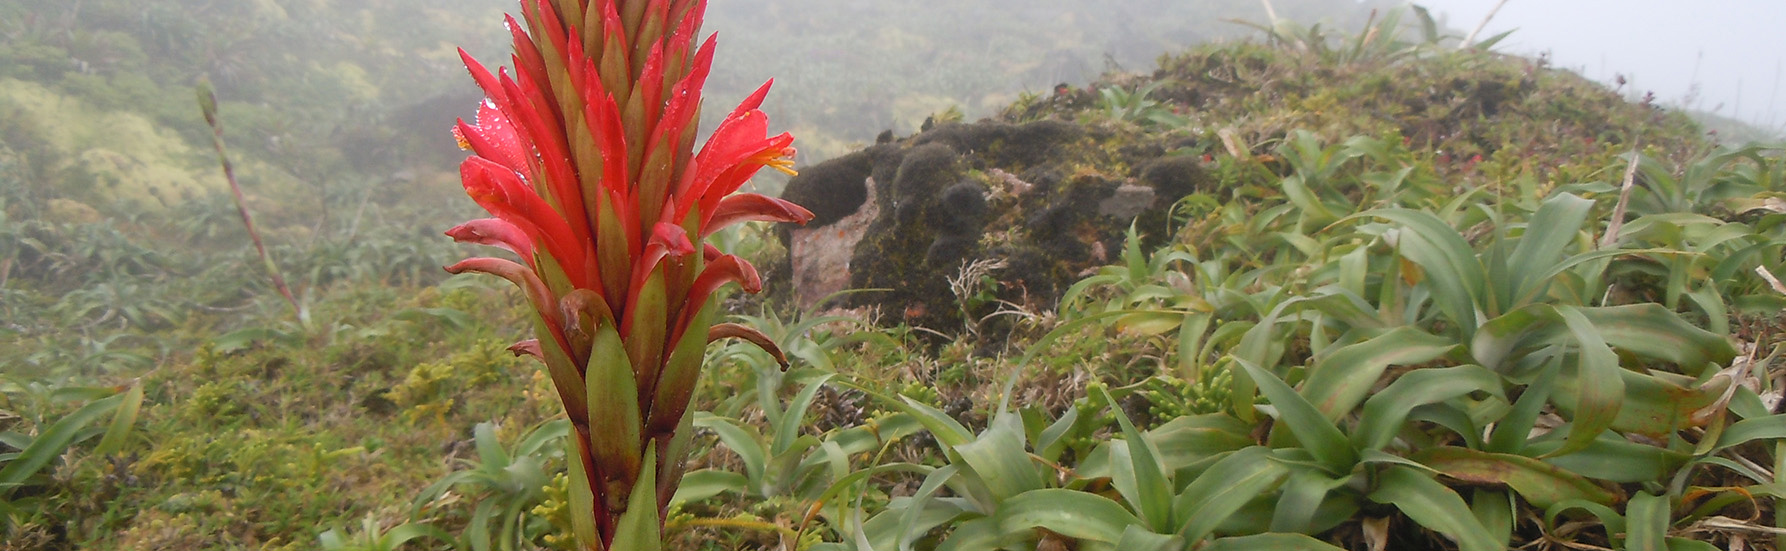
(1509, 311)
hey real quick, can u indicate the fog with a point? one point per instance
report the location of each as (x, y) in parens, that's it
(1723, 57)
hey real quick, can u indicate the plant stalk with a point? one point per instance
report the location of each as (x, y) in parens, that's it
(207, 102)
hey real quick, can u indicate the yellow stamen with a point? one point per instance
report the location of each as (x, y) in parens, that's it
(783, 165)
(458, 136)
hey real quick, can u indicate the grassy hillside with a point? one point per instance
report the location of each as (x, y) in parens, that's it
(1418, 303)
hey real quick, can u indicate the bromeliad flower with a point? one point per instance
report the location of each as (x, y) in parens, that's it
(584, 156)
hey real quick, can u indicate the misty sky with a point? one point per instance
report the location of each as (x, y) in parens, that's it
(1738, 45)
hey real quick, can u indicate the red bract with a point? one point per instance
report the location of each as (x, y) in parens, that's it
(584, 155)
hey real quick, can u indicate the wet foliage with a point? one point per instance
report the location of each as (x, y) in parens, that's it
(1376, 295)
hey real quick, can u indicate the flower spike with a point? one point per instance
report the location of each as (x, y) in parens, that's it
(583, 152)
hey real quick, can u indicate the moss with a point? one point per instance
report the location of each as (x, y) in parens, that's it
(109, 157)
(832, 189)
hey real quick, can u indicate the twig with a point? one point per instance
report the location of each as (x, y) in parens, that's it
(207, 102)
(1471, 39)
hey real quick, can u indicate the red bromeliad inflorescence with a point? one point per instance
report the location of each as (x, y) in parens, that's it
(584, 156)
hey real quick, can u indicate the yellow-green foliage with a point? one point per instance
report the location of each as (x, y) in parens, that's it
(432, 389)
(123, 154)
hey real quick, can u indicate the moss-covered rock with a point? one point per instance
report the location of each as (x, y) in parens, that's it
(1031, 202)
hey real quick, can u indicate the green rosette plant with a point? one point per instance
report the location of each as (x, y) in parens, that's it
(585, 158)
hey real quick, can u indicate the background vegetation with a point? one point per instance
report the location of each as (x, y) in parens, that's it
(1423, 306)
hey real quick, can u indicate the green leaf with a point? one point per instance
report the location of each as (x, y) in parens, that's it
(743, 441)
(1136, 538)
(122, 422)
(787, 428)
(53, 441)
(581, 497)
(1337, 383)
(915, 508)
(1433, 506)
(1149, 490)
(1497, 510)
(1192, 438)
(1386, 413)
(975, 535)
(1223, 489)
(1684, 544)
(1548, 233)
(1610, 519)
(615, 422)
(1538, 482)
(1312, 429)
(1595, 406)
(1511, 432)
(999, 460)
(543, 434)
(1070, 513)
(705, 483)
(1613, 458)
(1301, 500)
(489, 450)
(1646, 523)
(946, 429)
(1450, 264)
(637, 529)
(1270, 542)
(1772, 427)
(1652, 331)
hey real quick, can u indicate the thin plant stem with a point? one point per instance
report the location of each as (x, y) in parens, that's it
(207, 102)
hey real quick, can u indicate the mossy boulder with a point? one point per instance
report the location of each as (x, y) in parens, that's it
(1020, 208)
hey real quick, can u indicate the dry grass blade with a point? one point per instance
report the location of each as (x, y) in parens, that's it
(1618, 212)
(1471, 39)
(1729, 524)
(1771, 280)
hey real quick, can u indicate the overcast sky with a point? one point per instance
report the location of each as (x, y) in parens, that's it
(1734, 49)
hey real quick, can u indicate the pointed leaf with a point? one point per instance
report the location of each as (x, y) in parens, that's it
(1646, 523)
(1339, 382)
(1071, 513)
(1223, 489)
(1151, 494)
(1311, 428)
(1271, 542)
(637, 528)
(1433, 506)
(1386, 413)
(1538, 482)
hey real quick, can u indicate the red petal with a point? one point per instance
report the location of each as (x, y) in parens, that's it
(531, 347)
(503, 193)
(529, 282)
(494, 138)
(726, 269)
(748, 207)
(666, 240)
(537, 123)
(754, 100)
(485, 80)
(685, 100)
(494, 232)
(733, 330)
